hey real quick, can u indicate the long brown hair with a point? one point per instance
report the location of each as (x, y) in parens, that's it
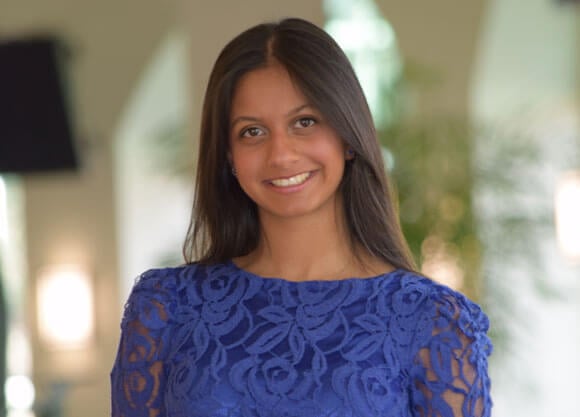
(224, 221)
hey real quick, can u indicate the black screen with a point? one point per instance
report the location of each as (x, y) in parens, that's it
(35, 130)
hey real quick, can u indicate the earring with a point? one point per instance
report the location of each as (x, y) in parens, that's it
(349, 153)
(234, 172)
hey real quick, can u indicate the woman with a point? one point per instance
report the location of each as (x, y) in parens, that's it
(299, 296)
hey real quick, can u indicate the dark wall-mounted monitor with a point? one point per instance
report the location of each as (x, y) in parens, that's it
(35, 126)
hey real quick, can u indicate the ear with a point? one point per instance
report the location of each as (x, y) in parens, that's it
(348, 153)
(231, 164)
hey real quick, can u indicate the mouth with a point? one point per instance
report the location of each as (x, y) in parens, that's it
(291, 181)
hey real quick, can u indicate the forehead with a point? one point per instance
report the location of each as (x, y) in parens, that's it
(267, 89)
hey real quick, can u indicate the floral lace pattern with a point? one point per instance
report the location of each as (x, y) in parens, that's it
(219, 341)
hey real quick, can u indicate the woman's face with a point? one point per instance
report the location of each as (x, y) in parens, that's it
(287, 159)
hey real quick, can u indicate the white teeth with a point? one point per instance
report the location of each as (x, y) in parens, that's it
(295, 180)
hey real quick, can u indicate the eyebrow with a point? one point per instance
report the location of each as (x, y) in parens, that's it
(255, 119)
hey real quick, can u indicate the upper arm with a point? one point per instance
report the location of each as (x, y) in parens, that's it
(138, 376)
(449, 374)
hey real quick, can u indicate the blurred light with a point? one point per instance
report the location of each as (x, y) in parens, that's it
(568, 215)
(20, 413)
(19, 392)
(431, 246)
(65, 307)
(441, 262)
(444, 270)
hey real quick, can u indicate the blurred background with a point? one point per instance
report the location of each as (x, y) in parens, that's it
(477, 105)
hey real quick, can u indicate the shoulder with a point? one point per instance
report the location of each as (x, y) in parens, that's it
(417, 291)
(438, 309)
(155, 294)
(434, 304)
(175, 288)
(159, 282)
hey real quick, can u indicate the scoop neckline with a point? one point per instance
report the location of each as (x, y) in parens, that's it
(247, 273)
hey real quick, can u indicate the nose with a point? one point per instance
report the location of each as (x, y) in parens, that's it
(283, 149)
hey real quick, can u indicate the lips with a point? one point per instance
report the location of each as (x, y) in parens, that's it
(291, 181)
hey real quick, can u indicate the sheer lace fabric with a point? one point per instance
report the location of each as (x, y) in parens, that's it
(219, 341)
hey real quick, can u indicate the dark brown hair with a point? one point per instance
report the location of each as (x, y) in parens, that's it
(224, 221)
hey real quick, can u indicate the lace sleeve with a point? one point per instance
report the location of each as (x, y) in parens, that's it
(138, 375)
(449, 375)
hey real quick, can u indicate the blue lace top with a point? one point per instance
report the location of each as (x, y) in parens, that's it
(201, 341)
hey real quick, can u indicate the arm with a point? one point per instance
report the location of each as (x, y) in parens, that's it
(139, 375)
(449, 374)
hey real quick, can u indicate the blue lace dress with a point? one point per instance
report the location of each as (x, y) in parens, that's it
(201, 341)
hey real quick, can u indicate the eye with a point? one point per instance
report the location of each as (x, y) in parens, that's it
(304, 122)
(251, 132)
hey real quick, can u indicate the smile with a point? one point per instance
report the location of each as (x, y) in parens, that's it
(295, 180)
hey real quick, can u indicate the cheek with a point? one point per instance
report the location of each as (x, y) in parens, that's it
(329, 151)
(240, 158)
(247, 174)
(246, 165)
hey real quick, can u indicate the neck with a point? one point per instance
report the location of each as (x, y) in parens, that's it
(308, 248)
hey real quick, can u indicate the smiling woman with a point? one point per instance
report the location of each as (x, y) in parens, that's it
(298, 297)
(286, 158)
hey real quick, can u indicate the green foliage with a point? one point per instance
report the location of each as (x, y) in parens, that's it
(433, 175)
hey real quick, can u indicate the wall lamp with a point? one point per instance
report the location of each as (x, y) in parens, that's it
(65, 309)
(567, 210)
